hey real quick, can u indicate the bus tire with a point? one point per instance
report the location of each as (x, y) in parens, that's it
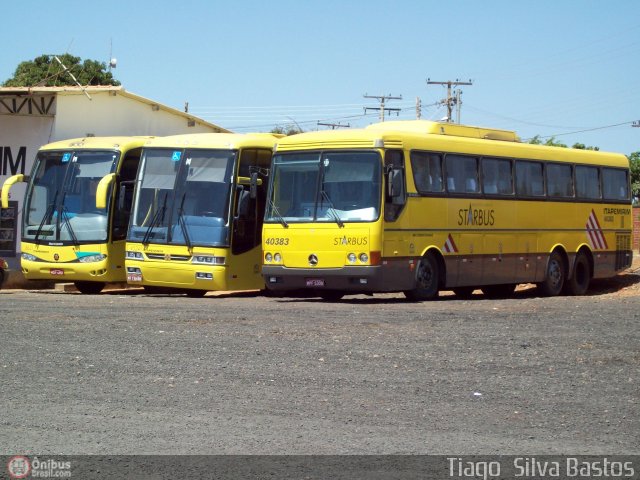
(427, 280)
(554, 277)
(578, 284)
(503, 290)
(89, 288)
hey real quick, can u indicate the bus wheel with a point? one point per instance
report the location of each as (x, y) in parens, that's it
(499, 291)
(578, 284)
(554, 277)
(427, 280)
(89, 288)
(331, 295)
(464, 292)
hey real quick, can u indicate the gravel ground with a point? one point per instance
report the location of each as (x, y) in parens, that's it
(130, 373)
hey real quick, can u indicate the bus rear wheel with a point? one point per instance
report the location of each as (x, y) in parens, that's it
(578, 284)
(89, 288)
(427, 280)
(554, 277)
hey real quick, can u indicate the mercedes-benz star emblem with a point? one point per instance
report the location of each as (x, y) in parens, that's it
(313, 260)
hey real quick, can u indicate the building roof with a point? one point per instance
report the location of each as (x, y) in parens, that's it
(117, 90)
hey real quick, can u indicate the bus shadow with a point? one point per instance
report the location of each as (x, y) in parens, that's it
(598, 287)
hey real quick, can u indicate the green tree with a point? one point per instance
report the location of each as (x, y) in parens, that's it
(634, 163)
(287, 130)
(46, 71)
(552, 142)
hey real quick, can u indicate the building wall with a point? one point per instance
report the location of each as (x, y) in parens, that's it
(114, 113)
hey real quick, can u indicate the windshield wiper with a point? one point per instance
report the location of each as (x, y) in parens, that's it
(66, 220)
(154, 220)
(183, 224)
(332, 209)
(275, 210)
(48, 214)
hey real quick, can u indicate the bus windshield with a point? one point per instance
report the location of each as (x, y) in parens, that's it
(330, 186)
(183, 197)
(61, 198)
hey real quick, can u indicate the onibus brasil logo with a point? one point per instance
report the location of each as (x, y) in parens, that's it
(20, 466)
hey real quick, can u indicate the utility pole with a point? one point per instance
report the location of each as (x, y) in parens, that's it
(382, 99)
(636, 123)
(451, 100)
(418, 108)
(334, 125)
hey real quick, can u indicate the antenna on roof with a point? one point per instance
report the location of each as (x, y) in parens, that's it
(66, 70)
(112, 61)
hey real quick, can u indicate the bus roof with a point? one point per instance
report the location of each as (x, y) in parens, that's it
(215, 140)
(444, 137)
(93, 143)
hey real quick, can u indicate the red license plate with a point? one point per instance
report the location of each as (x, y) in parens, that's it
(315, 282)
(56, 271)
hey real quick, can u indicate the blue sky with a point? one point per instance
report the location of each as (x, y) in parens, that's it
(538, 67)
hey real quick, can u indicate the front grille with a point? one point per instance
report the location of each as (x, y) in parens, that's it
(176, 258)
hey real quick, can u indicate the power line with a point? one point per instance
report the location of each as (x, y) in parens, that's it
(586, 130)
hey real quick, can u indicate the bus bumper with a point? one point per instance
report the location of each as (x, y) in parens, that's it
(363, 279)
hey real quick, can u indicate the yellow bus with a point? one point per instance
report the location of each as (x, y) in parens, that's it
(197, 214)
(418, 207)
(67, 236)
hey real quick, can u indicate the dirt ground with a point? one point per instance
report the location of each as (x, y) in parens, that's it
(129, 373)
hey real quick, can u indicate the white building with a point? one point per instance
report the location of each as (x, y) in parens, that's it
(32, 117)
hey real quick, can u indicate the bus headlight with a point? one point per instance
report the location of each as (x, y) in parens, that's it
(29, 257)
(351, 257)
(364, 258)
(98, 257)
(133, 255)
(277, 258)
(268, 257)
(207, 260)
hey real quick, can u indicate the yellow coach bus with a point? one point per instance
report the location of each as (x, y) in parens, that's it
(418, 207)
(197, 214)
(66, 235)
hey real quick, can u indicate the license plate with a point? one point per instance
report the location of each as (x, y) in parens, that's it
(315, 282)
(56, 271)
(134, 277)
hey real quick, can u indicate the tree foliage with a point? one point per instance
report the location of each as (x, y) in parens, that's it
(287, 129)
(552, 142)
(45, 71)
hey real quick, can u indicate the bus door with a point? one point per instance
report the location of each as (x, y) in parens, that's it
(246, 239)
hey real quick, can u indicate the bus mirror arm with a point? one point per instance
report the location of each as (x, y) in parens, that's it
(103, 189)
(7, 186)
(253, 186)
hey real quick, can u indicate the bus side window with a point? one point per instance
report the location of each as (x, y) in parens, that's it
(427, 171)
(394, 164)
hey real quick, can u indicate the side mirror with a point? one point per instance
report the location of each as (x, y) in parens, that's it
(103, 190)
(395, 184)
(7, 186)
(244, 201)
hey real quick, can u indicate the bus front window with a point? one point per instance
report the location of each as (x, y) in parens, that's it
(200, 211)
(60, 203)
(332, 186)
(154, 194)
